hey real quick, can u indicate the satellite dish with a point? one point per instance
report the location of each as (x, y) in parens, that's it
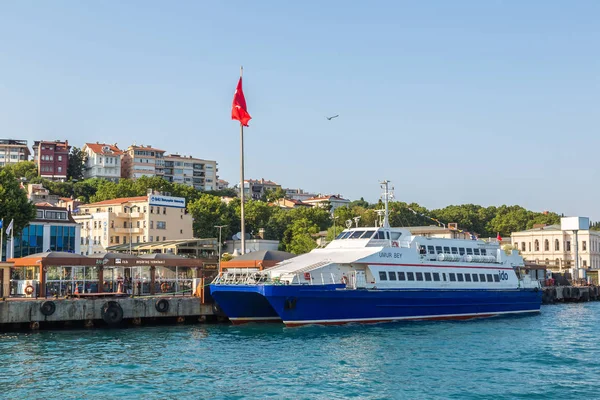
(237, 236)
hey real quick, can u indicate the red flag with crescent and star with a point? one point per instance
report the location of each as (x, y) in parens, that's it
(238, 108)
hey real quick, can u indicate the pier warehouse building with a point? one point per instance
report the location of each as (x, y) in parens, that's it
(132, 220)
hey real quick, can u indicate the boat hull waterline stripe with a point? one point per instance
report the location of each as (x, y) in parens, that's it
(411, 318)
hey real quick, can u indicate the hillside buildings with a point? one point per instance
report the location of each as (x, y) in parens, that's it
(51, 158)
(138, 161)
(143, 219)
(13, 151)
(186, 170)
(255, 189)
(322, 201)
(103, 161)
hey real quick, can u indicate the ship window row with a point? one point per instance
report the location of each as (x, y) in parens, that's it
(435, 277)
(456, 250)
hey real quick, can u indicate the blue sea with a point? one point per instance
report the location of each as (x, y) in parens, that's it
(555, 354)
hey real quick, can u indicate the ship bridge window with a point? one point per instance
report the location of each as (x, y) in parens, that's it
(436, 276)
(410, 276)
(446, 250)
(476, 252)
(379, 235)
(430, 249)
(341, 235)
(356, 234)
(345, 235)
(438, 249)
(468, 277)
(454, 250)
(392, 275)
(483, 252)
(461, 251)
(382, 276)
(396, 235)
(469, 251)
(401, 276)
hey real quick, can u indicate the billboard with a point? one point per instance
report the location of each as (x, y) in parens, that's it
(166, 201)
(574, 223)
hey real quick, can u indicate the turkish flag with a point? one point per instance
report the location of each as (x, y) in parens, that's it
(499, 238)
(238, 108)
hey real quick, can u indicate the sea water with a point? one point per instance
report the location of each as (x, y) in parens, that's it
(555, 354)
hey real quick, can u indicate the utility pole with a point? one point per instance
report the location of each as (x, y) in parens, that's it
(220, 227)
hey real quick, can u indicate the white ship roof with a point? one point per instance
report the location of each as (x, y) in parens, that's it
(320, 257)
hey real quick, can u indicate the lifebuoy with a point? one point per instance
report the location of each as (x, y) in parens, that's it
(344, 280)
(29, 290)
(112, 313)
(162, 305)
(48, 308)
(165, 287)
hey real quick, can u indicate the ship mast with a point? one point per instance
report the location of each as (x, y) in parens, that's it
(386, 196)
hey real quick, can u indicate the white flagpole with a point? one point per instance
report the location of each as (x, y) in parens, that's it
(12, 239)
(242, 178)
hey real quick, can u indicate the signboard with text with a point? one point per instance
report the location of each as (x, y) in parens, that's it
(166, 201)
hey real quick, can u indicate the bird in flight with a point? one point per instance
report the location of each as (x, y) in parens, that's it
(330, 118)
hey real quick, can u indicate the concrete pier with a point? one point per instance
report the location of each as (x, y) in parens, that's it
(43, 313)
(562, 294)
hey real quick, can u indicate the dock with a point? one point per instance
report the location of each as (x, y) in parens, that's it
(569, 294)
(102, 311)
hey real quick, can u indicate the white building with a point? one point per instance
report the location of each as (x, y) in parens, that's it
(554, 247)
(195, 172)
(103, 161)
(322, 201)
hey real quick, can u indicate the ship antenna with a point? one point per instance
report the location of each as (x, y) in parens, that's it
(387, 195)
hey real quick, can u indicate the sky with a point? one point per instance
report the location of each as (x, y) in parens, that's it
(484, 102)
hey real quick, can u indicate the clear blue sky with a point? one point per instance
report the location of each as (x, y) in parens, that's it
(486, 102)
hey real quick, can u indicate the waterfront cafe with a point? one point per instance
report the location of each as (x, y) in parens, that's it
(61, 274)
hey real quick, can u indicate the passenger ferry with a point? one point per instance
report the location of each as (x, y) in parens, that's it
(381, 274)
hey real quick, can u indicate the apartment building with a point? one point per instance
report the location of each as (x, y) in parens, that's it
(138, 161)
(52, 158)
(13, 151)
(143, 219)
(186, 170)
(103, 161)
(334, 201)
(254, 189)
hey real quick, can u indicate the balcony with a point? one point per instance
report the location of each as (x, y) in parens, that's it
(133, 215)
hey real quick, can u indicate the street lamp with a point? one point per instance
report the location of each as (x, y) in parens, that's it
(220, 228)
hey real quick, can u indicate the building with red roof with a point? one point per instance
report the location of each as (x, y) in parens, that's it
(103, 161)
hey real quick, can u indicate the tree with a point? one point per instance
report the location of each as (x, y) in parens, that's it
(24, 169)
(14, 203)
(298, 237)
(76, 165)
(272, 195)
(209, 211)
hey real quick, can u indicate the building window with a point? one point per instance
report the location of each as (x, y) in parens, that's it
(151, 210)
(151, 237)
(536, 245)
(138, 224)
(181, 231)
(557, 262)
(151, 225)
(117, 238)
(556, 245)
(112, 239)
(161, 225)
(124, 224)
(164, 210)
(568, 246)
(584, 262)
(59, 158)
(584, 247)
(522, 246)
(546, 245)
(529, 245)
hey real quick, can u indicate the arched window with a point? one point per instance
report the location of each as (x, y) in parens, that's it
(547, 261)
(536, 245)
(557, 261)
(546, 245)
(556, 245)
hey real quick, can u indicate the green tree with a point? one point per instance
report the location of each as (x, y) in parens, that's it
(209, 211)
(24, 169)
(14, 203)
(299, 236)
(272, 195)
(76, 164)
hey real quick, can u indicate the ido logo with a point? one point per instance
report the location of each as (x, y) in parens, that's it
(503, 275)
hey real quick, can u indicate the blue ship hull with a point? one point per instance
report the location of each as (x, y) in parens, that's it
(243, 305)
(333, 304)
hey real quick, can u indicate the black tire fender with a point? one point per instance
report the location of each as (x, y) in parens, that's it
(48, 308)
(112, 313)
(162, 305)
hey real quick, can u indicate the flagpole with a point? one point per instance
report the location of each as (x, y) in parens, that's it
(243, 223)
(1, 238)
